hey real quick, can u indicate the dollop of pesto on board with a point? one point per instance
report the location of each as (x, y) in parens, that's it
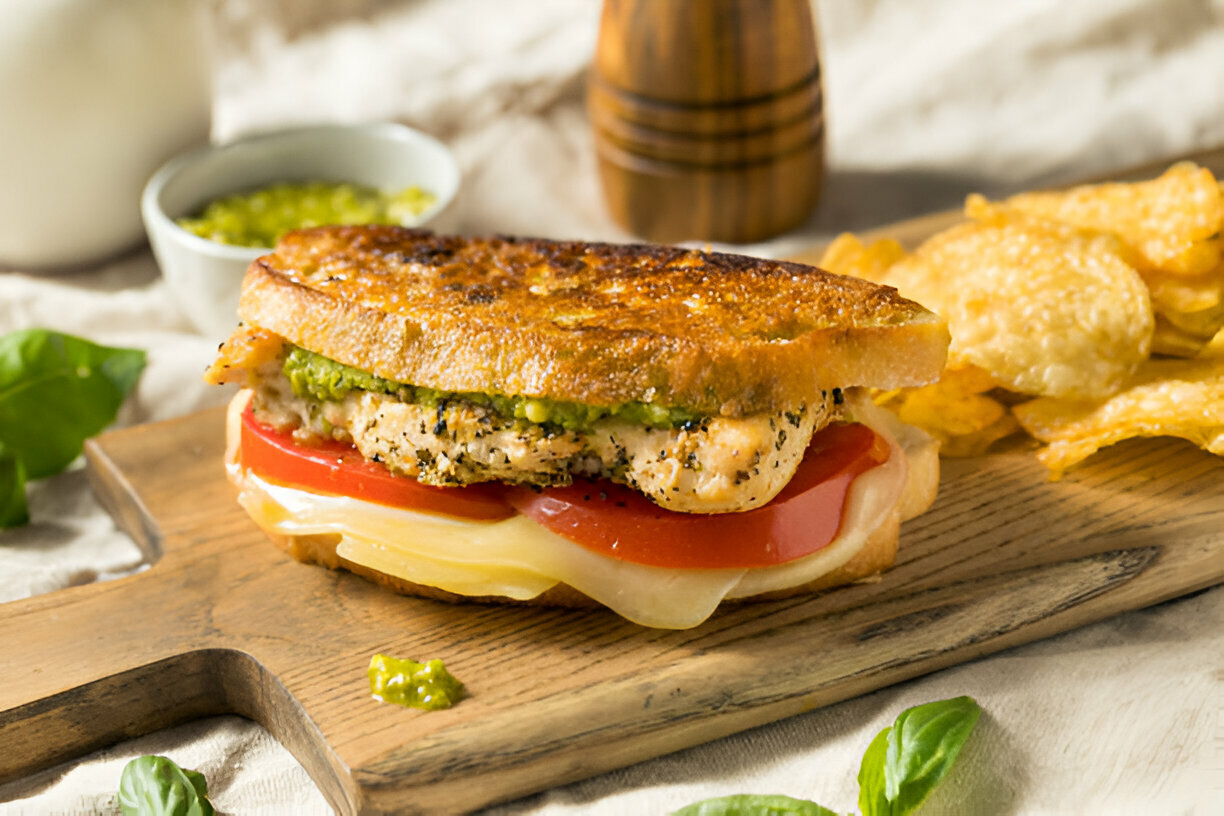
(425, 685)
(260, 217)
(316, 376)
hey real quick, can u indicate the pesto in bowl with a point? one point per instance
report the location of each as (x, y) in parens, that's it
(259, 218)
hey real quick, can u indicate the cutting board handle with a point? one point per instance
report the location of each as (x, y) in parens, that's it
(91, 665)
(134, 668)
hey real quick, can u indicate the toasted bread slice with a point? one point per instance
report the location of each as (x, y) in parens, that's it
(594, 323)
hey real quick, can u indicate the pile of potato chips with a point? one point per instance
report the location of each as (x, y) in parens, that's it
(1083, 317)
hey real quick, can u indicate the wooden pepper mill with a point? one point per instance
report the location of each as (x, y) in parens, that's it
(707, 117)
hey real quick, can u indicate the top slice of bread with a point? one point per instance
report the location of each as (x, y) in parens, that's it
(595, 323)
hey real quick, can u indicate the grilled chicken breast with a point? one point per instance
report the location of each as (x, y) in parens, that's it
(718, 465)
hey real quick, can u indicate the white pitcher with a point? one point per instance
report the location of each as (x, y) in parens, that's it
(94, 95)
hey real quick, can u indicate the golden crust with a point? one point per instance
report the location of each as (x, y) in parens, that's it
(593, 323)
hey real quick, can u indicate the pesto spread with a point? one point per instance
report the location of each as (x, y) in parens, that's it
(260, 217)
(408, 683)
(313, 375)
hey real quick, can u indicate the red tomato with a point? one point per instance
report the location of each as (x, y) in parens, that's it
(339, 468)
(801, 519)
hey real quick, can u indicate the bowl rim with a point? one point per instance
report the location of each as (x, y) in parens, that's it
(156, 217)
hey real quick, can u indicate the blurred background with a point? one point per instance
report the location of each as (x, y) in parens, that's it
(923, 102)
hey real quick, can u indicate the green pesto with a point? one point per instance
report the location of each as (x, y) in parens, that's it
(316, 376)
(417, 685)
(260, 217)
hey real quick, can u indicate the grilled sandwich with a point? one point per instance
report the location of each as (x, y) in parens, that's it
(572, 422)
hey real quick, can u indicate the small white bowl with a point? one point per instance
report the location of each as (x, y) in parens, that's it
(204, 276)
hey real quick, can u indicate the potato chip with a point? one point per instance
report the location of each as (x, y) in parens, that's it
(1216, 347)
(1064, 295)
(1188, 314)
(1192, 305)
(847, 255)
(1045, 308)
(1173, 220)
(1183, 398)
(955, 410)
(1172, 341)
(1179, 294)
(979, 208)
(1202, 324)
(1190, 311)
(979, 442)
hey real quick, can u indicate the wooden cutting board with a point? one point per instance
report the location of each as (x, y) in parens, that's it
(224, 622)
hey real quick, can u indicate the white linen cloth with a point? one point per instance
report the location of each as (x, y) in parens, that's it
(925, 102)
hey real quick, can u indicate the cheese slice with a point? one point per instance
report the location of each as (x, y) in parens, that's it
(516, 558)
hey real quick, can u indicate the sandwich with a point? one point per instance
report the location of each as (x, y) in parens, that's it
(653, 429)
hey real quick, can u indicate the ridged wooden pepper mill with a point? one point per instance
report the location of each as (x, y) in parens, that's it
(707, 117)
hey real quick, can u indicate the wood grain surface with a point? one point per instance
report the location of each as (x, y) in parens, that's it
(222, 621)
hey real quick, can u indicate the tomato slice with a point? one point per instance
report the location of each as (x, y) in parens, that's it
(339, 468)
(804, 517)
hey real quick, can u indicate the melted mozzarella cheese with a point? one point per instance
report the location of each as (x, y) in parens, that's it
(519, 559)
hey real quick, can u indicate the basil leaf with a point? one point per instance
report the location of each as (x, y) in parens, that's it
(13, 509)
(56, 391)
(156, 786)
(871, 798)
(200, 784)
(919, 750)
(749, 804)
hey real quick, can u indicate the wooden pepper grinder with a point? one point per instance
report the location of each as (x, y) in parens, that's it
(707, 117)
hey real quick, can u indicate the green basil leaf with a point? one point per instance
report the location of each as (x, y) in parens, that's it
(872, 800)
(749, 804)
(156, 786)
(56, 391)
(200, 784)
(922, 747)
(13, 509)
